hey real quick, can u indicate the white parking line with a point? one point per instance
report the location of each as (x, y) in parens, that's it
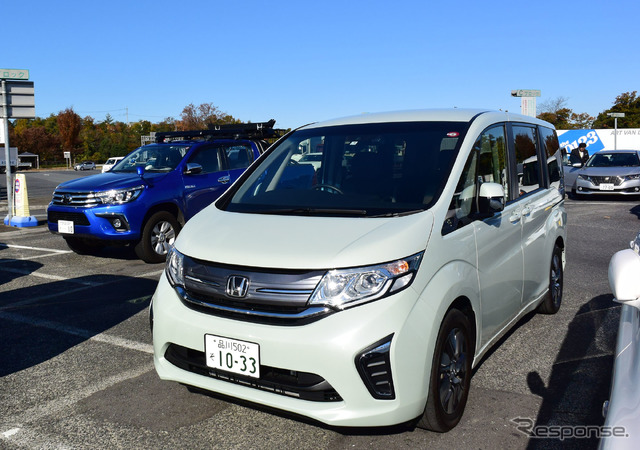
(86, 334)
(24, 247)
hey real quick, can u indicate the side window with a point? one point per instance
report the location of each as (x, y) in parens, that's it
(487, 163)
(239, 156)
(526, 159)
(208, 158)
(554, 156)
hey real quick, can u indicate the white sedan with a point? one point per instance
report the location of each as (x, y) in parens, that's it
(622, 411)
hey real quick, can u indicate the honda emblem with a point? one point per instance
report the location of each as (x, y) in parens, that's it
(237, 286)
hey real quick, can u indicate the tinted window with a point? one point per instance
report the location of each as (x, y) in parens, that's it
(208, 158)
(526, 159)
(368, 169)
(554, 155)
(239, 156)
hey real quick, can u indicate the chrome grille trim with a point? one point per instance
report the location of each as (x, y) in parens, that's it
(75, 198)
(307, 314)
(598, 180)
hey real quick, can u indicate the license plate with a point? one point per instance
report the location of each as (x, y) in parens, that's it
(606, 186)
(231, 355)
(65, 226)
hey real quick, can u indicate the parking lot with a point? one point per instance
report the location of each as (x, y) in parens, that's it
(76, 367)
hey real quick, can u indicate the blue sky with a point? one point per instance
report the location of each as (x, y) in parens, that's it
(300, 62)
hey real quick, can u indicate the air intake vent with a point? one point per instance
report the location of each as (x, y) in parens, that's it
(374, 366)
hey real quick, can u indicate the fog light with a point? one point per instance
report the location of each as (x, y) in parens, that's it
(580, 188)
(637, 189)
(117, 223)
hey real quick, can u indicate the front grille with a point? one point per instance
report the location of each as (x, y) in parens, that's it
(73, 198)
(77, 218)
(302, 385)
(269, 296)
(598, 180)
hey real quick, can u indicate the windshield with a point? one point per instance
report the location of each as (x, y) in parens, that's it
(614, 160)
(153, 157)
(379, 169)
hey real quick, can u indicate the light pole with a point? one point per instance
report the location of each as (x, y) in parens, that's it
(615, 126)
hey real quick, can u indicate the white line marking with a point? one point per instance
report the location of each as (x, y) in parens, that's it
(10, 432)
(24, 247)
(56, 326)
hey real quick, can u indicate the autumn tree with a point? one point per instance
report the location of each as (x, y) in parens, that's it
(69, 126)
(627, 103)
(555, 111)
(202, 117)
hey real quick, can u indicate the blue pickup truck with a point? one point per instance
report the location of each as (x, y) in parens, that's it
(147, 197)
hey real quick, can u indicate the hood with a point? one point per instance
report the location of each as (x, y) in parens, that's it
(109, 180)
(294, 242)
(609, 171)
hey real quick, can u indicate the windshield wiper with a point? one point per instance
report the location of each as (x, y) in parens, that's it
(400, 214)
(312, 211)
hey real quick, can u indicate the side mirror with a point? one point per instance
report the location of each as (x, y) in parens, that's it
(624, 272)
(491, 198)
(192, 169)
(140, 171)
(577, 164)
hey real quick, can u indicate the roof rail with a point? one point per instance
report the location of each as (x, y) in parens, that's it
(256, 130)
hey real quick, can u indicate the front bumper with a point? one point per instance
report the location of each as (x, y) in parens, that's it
(327, 348)
(586, 187)
(110, 223)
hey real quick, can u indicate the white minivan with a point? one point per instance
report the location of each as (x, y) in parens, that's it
(363, 290)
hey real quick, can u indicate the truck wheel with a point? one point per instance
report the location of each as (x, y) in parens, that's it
(553, 299)
(450, 378)
(158, 235)
(83, 246)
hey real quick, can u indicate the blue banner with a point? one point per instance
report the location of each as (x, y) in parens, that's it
(571, 138)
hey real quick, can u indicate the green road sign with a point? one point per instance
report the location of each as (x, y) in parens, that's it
(14, 74)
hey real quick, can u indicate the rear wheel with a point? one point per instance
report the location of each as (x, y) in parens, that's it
(553, 299)
(158, 235)
(450, 374)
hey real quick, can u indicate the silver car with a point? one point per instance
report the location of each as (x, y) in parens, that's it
(607, 172)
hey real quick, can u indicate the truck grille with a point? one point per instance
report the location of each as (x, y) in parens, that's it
(77, 218)
(71, 198)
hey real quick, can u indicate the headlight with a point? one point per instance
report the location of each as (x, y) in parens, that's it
(344, 288)
(584, 177)
(174, 267)
(631, 177)
(119, 196)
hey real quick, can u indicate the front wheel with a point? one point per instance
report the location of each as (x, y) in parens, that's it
(553, 299)
(450, 374)
(158, 235)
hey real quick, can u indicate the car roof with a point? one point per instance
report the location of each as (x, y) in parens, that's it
(425, 115)
(618, 151)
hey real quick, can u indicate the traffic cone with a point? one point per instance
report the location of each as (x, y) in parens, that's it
(21, 202)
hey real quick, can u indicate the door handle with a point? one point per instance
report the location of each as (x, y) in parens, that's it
(526, 211)
(515, 217)
(224, 180)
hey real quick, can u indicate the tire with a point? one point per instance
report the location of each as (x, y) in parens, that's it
(83, 246)
(450, 377)
(158, 234)
(553, 299)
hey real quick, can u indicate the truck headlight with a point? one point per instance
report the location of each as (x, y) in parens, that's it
(343, 288)
(119, 196)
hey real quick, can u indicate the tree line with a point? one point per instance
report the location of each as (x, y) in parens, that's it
(88, 139)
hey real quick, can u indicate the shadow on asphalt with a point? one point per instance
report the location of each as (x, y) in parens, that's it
(580, 378)
(42, 321)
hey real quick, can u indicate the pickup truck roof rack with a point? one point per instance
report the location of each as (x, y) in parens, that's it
(258, 130)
